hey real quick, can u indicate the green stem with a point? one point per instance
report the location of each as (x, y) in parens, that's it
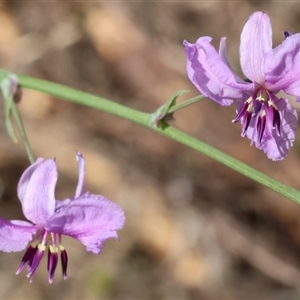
(144, 119)
(232, 163)
(185, 104)
(83, 98)
(22, 132)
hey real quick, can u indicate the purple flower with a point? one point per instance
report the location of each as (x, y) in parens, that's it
(91, 219)
(267, 119)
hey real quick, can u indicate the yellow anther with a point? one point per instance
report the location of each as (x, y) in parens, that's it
(53, 249)
(41, 247)
(61, 248)
(250, 108)
(263, 96)
(271, 103)
(249, 100)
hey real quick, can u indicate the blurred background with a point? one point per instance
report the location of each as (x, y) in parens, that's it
(195, 229)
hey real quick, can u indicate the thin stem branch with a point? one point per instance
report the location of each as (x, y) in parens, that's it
(22, 132)
(232, 163)
(185, 103)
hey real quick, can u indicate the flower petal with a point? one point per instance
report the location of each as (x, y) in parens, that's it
(256, 42)
(210, 74)
(274, 146)
(282, 66)
(91, 219)
(25, 178)
(15, 235)
(36, 190)
(81, 165)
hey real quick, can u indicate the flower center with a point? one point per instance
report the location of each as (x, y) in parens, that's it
(257, 111)
(35, 252)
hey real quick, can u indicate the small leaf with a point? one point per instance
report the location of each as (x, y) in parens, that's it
(162, 111)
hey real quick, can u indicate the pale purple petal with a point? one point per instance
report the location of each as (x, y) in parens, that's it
(278, 148)
(92, 219)
(274, 146)
(25, 178)
(256, 43)
(15, 235)
(36, 187)
(282, 66)
(81, 165)
(210, 74)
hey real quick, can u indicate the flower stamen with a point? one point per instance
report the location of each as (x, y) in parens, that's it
(64, 261)
(36, 260)
(52, 262)
(261, 108)
(35, 253)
